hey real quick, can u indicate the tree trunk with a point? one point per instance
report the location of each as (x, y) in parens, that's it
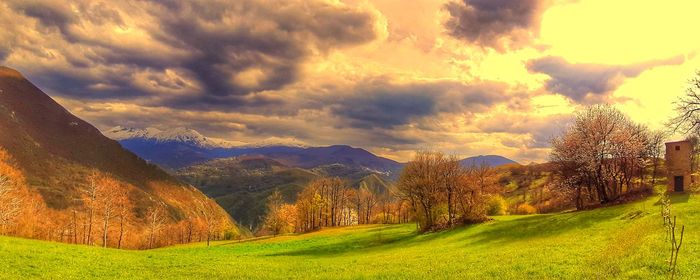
(105, 228)
(121, 232)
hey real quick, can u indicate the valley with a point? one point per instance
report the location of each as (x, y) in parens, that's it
(241, 177)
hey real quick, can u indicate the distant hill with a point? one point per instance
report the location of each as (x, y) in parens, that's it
(242, 184)
(490, 160)
(56, 152)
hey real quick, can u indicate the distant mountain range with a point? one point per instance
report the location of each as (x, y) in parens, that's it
(182, 147)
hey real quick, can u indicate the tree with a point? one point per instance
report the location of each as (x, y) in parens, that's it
(368, 200)
(274, 221)
(655, 150)
(336, 198)
(451, 171)
(688, 108)
(441, 192)
(473, 184)
(599, 155)
(90, 193)
(10, 205)
(356, 202)
(208, 213)
(108, 197)
(419, 183)
(485, 177)
(155, 219)
(123, 216)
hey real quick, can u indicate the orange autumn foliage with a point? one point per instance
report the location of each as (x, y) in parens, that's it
(111, 213)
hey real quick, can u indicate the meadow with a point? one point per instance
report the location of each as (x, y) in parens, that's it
(623, 242)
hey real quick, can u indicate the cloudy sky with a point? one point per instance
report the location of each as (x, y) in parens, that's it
(467, 77)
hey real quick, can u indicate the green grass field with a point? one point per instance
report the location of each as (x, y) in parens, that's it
(613, 242)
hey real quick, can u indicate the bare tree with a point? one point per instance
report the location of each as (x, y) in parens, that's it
(418, 182)
(108, 198)
(369, 200)
(655, 149)
(10, 206)
(356, 200)
(155, 219)
(600, 154)
(123, 214)
(432, 181)
(273, 219)
(688, 108)
(90, 200)
(210, 219)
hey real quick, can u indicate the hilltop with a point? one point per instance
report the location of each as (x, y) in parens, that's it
(490, 160)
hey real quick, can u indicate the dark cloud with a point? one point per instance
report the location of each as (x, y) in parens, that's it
(386, 107)
(47, 13)
(499, 24)
(383, 104)
(589, 83)
(245, 104)
(228, 48)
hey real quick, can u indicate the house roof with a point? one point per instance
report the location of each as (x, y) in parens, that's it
(678, 142)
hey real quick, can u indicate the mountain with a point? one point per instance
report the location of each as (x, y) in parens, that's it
(242, 184)
(490, 160)
(182, 147)
(57, 153)
(180, 134)
(170, 149)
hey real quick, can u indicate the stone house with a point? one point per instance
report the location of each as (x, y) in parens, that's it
(678, 165)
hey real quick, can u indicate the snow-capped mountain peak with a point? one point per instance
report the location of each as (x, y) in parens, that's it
(178, 134)
(278, 141)
(122, 133)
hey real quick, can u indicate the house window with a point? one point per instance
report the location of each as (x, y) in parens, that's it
(678, 148)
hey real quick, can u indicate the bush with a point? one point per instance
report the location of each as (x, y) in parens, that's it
(496, 206)
(525, 209)
(231, 234)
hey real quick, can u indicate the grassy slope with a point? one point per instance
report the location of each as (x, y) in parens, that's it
(602, 243)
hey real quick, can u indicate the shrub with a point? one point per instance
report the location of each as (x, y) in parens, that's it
(496, 206)
(231, 234)
(525, 209)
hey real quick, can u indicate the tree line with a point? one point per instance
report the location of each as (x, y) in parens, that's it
(104, 215)
(433, 190)
(331, 202)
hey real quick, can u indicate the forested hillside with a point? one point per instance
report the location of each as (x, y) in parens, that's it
(61, 179)
(242, 184)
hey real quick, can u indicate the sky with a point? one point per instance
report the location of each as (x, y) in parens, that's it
(467, 77)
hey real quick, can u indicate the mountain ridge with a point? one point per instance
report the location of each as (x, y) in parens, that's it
(177, 151)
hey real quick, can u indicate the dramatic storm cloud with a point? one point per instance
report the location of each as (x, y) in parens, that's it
(382, 104)
(495, 23)
(212, 48)
(589, 83)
